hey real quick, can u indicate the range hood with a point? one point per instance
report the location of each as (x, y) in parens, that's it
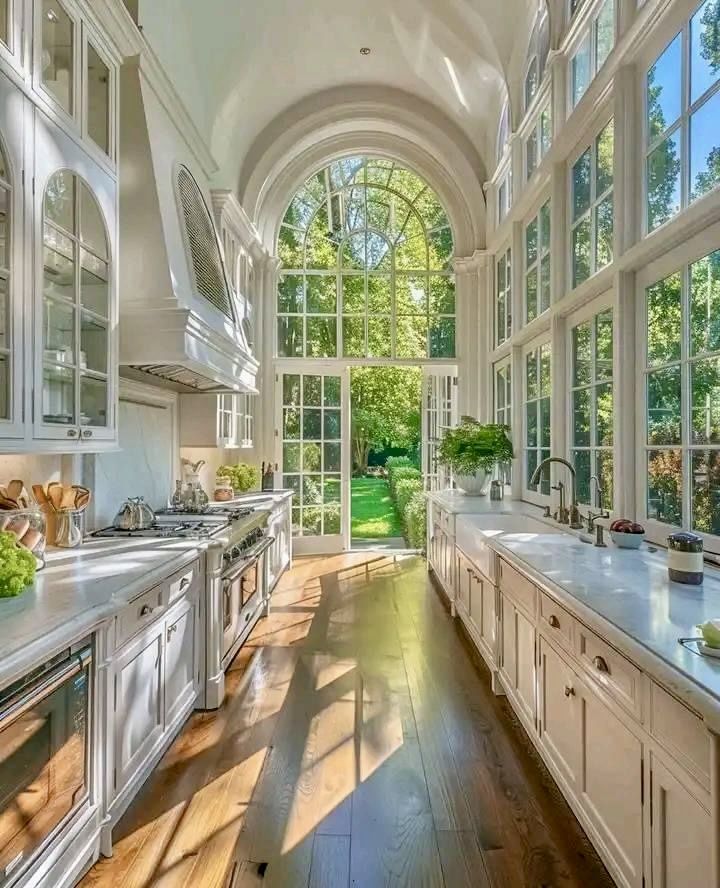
(179, 319)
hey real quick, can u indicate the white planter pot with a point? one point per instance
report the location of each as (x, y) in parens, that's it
(474, 485)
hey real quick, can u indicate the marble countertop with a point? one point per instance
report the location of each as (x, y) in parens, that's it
(77, 590)
(625, 595)
(459, 504)
(257, 498)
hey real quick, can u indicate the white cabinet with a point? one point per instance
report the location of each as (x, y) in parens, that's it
(224, 420)
(517, 661)
(279, 555)
(559, 714)
(182, 653)
(483, 615)
(139, 717)
(682, 835)
(463, 583)
(441, 549)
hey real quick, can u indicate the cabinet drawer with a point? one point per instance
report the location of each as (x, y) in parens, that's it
(517, 587)
(556, 621)
(620, 678)
(138, 614)
(181, 582)
(681, 732)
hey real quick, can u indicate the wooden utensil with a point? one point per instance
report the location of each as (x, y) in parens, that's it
(55, 494)
(6, 503)
(67, 500)
(40, 495)
(15, 489)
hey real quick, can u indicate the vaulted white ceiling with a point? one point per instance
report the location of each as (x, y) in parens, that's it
(241, 65)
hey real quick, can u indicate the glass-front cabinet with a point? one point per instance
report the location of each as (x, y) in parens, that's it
(75, 350)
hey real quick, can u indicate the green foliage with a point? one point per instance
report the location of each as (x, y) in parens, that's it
(415, 519)
(405, 490)
(402, 473)
(374, 515)
(397, 462)
(385, 410)
(17, 566)
(243, 476)
(472, 446)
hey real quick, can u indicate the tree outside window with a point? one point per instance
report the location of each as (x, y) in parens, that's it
(591, 201)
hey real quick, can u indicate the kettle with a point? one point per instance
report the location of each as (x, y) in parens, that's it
(134, 514)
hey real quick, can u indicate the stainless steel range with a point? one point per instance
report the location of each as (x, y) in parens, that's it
(236, 579)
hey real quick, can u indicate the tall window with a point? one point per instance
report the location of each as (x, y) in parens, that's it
(503, 131)
(679, 114)
(538, 142)
(532, 80)
(504, 196)
(592, 207)
(537, 264)
(503, 297)
(6, 342)
(593, 51)
(367, 251)
(592, 406)
(538, 384)
(683, 397)
(98, 99)
(503, 403)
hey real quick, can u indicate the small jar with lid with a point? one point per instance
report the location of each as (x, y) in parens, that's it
(223, 489)
(685, 558)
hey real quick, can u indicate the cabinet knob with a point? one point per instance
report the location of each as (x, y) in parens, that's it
(553, 621)
(146, 610)
(569, 691)
(601, 665)
(184, 583)
(72, 433)
(87, 433)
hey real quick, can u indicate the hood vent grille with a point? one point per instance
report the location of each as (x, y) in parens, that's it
(182, 378)
(203, 244)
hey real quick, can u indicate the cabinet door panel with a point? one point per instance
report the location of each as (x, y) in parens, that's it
(487, 632)
(612, 785)
(508, 667)
(559, 716)
(138, 704)
(180, 662)
(464, 584)
(525, 647)
(681, 833)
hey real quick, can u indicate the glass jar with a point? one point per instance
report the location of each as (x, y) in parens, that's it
(223, 489)
(28, 525)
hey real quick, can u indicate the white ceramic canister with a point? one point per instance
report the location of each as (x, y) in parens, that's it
(685, 558)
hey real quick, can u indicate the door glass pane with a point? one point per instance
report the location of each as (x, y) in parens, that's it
(290, 337)
(354, 337)
(321, 337)
(4, 227)
(665, 469)
(92, 227)
(4, 314)
(58, 52)
(93, 402)
(58, 395)
(93, 344)
(98, 79)
(59, 331)
(379, 337)
(94, 290)
(60, 200)
(291, 294)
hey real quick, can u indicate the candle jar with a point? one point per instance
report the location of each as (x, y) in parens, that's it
(685, 558)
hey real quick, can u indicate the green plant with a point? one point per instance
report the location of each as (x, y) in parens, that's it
(398, 462)
(17, 566)
(472, 446)
(243, 476)
(405, 490)
(402, 473)
(415, 520)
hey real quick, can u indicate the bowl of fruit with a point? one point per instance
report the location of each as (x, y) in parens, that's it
(627, 534)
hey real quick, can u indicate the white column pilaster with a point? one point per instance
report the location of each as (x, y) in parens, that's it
(268, 280)
(472, 332)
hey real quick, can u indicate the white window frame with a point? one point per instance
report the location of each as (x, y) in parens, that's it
(75, 115)
(505, 257)
(536, 265)
(591, 213)
(91, 38)
(503, 207)
(588, 314)
(536, 134)
(681, 124)
(533, 65)
(502, 415)
(589, 33)
(676, 260)
(537, 344)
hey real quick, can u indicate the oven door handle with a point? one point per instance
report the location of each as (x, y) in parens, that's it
(43, 687)
(250, 555)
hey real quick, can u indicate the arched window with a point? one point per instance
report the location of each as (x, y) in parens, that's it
(503, 130)
(76, 305)
(5, 312)
(531, 82)
(537, 55)
(367, 249)
(203, 245)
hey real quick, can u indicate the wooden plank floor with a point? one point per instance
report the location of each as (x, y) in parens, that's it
(360, 745)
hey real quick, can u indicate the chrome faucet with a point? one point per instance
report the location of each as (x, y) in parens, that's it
(569, 516)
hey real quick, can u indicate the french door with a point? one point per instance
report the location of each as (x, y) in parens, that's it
(439, 412)
(312, 424)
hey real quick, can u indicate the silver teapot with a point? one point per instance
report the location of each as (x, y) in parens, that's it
(134, 514)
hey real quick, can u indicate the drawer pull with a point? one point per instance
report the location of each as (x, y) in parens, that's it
(553, 621)
(146, 610)
(601, 665)
(569, 691)
(184, 583)
(171, 630)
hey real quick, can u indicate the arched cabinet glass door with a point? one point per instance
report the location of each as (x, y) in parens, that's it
(76, 312)
(7, 338)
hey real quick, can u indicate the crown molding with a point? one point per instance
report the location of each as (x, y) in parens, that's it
(130, 41)
(471, 264)
(228, 208)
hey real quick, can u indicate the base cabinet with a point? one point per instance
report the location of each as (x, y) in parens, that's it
(681, 831)
(181, 661)
(517, 659)
(559, 715)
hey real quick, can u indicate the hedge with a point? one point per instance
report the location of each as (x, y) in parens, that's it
(402, 473)
(416, 521)
(406, 490)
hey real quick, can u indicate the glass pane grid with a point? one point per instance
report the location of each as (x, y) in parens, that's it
(538, 387)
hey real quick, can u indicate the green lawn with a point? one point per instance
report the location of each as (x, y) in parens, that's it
(373, 512)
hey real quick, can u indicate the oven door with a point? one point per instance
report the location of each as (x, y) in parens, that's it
(242, 590)
(44, 733)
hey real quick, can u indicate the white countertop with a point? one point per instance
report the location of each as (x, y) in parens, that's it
(77, 590)
(625, 595)
(459, 504)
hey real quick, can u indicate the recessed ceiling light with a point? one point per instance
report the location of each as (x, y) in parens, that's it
(365, 50)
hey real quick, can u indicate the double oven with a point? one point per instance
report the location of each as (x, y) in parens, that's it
(44, 756)
(243, 594)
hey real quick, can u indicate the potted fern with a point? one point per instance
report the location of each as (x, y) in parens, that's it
(472, 451)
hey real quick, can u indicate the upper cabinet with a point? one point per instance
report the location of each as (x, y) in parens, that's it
(58, 233)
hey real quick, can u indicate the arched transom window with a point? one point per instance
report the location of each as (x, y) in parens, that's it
(367, 255)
